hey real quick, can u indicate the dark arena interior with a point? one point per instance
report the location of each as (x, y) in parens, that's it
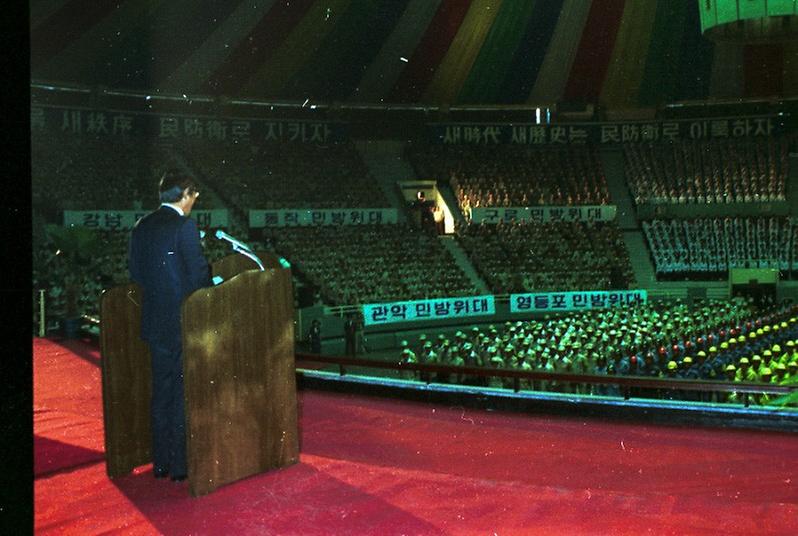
(479, 266)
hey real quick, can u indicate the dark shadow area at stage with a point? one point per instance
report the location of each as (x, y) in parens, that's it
(52, 456)
(293, 500)
(85, 349)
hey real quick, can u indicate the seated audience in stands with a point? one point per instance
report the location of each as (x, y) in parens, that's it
(711, 246)
(286, 175)
(514, 176)
(707, 171)
(376, 263)
(537, 257)
(105, 269)
(94, 173)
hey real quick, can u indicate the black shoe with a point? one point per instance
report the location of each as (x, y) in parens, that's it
(160, 473)
(178, 478)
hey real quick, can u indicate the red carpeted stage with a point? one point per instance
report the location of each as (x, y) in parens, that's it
(377, 466)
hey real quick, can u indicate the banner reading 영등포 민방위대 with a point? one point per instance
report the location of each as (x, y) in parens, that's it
(575, 301)
(431, 309)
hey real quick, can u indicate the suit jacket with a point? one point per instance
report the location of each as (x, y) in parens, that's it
(166, 260)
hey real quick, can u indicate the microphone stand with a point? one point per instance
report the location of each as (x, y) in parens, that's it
(238, 247)
(250, 255)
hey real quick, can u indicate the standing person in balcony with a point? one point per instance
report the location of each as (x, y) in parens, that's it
(166, 260)
(360, 335)
(438, 217)
(314, 336)
(350, 334)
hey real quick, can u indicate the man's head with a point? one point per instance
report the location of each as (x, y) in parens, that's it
(178, 188)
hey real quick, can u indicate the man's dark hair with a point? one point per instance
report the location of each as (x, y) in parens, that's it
(173, 183)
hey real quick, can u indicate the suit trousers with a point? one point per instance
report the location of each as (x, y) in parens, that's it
(167, 410)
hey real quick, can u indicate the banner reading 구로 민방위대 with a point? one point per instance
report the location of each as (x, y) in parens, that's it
(544, 214)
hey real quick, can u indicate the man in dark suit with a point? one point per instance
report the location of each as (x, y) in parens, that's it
(166, 260)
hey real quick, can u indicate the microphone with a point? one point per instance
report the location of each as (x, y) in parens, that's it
(221, 235)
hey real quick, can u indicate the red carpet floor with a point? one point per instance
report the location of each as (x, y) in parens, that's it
(376, 466)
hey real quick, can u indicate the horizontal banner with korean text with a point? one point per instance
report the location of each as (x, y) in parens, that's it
(321, 216)
(603, 133)
(126, 219)
(107, 123)
(547, 214)
(435, 309)
(575, 301)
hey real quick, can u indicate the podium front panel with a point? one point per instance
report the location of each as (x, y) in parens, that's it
(126, 381)
(240, 385)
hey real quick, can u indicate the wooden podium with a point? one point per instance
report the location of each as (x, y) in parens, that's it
(238, 363)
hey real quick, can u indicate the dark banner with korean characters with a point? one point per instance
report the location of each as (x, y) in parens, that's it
(112, 123)
(604, 133)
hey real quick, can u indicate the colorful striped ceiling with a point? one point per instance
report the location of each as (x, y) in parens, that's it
(619, 53)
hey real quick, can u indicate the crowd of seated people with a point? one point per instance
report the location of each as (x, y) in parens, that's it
(717, 340)
(346, 265)
(287, 175)
(353, 265)
(82, 280)
(710, 246)
(58, 273)
(94, 173)
(540, 257)
(707, 171)
(514, 176)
